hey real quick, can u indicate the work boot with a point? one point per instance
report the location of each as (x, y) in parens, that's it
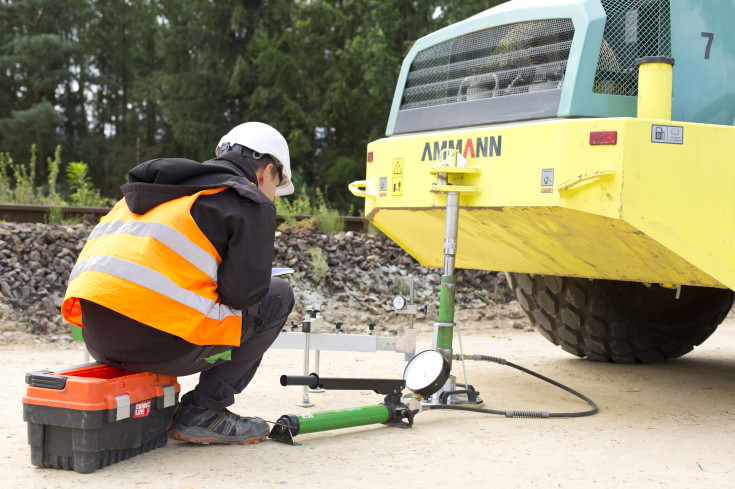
(196, 424)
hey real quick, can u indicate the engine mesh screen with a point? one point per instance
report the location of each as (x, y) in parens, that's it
(495, 62)
(633, 29)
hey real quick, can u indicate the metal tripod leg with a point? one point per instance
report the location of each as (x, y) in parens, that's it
(305, 402)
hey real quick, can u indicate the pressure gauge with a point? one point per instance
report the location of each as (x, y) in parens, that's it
(399, 303)
(426, 373)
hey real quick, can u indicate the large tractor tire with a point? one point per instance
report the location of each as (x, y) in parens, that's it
(625, 322)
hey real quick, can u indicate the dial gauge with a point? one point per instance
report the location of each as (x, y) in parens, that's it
(426, 373)
(399, 303)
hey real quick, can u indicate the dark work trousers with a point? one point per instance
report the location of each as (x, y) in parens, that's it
(261, 324)
(220, 378)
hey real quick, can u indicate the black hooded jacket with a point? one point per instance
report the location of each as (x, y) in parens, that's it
(239, 221)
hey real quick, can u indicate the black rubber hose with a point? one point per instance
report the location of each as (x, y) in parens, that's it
(521, 414)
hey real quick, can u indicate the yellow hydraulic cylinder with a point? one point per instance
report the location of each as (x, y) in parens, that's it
(655, 75)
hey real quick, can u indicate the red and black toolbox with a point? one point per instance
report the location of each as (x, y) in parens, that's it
(90, 416)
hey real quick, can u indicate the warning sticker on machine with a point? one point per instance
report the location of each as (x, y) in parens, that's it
(383, 188)
(667, 134)
(547, 177)
(547, 181)
(397, 177)
(383, 184)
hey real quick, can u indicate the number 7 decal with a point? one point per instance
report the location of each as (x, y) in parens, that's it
(710, 37)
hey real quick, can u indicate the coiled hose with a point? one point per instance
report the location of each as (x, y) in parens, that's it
(510, 413)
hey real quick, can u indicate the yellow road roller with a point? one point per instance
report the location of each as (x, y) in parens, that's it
(591, 147)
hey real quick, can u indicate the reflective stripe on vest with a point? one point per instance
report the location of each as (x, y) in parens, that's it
(170, 237)
(157, 268)
(157, 282)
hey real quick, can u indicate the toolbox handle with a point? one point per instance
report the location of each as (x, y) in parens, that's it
(45, 379)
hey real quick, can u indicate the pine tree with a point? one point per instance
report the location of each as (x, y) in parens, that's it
(38, 58)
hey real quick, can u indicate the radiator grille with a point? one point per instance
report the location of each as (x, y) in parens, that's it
(633, 29)
(495, 62)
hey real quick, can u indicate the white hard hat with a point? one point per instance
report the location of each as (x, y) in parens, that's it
(262, 138)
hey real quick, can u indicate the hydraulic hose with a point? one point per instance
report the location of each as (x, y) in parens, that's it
(510, 413)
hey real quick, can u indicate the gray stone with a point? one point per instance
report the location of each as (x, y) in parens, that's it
(48, 305)
(365, 271)
(36, 328)
(5, 288)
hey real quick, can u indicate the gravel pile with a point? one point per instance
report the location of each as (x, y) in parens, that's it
(35, 262)
(351, 277)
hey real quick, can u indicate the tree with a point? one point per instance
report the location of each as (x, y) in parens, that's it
(349, 54)
(118, 82)
(38, 61)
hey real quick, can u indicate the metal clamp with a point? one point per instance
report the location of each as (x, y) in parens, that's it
(452, 162)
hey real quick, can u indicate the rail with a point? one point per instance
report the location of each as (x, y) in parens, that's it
(38, 214)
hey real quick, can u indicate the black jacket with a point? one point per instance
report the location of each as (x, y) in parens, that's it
(240, 223)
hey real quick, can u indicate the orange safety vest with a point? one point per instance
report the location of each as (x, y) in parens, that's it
(157, 268)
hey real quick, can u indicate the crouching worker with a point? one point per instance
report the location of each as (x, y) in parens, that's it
(176, 279)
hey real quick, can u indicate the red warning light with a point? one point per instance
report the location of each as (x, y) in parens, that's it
(370, 157)
(603, 137)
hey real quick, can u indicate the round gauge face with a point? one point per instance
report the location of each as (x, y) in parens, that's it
(399, 302)
(424, 369)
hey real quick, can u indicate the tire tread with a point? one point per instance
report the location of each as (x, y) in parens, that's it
(623, 322)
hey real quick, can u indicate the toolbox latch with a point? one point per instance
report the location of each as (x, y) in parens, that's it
(169, 396)
(123, 407)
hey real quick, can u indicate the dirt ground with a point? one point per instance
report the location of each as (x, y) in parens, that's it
(667, 425)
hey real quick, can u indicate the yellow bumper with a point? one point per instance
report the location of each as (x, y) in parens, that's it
(657, 206)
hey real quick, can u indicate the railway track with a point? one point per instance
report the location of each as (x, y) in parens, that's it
(38, 213)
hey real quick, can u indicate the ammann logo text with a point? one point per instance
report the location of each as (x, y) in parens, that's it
(480, 147)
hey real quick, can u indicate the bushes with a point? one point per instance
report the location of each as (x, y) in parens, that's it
(17, 183)
(18, 186)
(84, 192)
(326, 218)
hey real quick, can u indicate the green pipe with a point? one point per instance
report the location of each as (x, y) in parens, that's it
(445, 330)
(342, 418)
(446, 300)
